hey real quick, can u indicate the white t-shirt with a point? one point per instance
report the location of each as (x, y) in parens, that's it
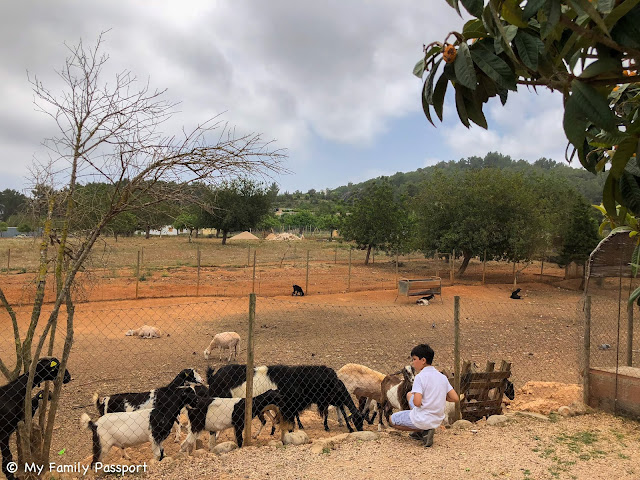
(434, 387)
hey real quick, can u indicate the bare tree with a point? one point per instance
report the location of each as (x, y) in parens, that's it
(110, 133)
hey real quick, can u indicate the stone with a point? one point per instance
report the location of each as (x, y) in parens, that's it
(275, 443)
(224, 447)
(462, 424)
(201, 452)
(296, 438)
(497, 419)
(537, 416)
(565, 411)
(364, 436)
(579, 408)
(319, 447)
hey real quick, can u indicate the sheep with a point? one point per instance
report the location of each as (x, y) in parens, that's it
(228, 340)
(218, 414)
(130, 402)
(393, 392)
(12, 403)
(364, 383)
(127, 429)
(300, 386)
(145, 331)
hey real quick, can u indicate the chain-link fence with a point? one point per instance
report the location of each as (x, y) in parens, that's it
(541, 340)
(174, 268)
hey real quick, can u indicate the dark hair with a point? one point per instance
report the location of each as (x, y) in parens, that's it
(423, 351)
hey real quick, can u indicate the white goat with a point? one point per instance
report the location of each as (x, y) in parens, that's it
(228, 340)
(145, 331)
(363, 382)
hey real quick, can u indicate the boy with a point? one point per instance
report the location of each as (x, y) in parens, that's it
(427, 398)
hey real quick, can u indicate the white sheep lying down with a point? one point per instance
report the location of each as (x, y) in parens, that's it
(224, 340)
(145, 331)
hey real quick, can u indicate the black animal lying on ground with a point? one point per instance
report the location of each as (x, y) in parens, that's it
(425, 300)
(515, 295)
(297, 290)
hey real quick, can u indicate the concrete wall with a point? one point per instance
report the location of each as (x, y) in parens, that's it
(602, 391)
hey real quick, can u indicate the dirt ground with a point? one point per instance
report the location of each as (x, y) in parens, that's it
(540, 335)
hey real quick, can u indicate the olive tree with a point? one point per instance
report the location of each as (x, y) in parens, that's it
(109, 130)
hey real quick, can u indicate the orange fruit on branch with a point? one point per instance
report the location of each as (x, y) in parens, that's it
(449, 53)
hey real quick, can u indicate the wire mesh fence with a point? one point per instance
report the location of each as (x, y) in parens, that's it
(304, 346)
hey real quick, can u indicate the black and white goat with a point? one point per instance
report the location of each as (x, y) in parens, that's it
(393, 392)
(127, 429)
(130, 402)
(217, 414)
(299, 386)
(12, 403)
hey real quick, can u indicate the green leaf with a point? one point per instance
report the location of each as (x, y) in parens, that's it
(474, 7)
(528, 48)
(604, 65)
(593, 14)
(432, 51)
(418, 70)
(635, 259)
(454, 4)
(425, 104)
(531, 8)
(463, 66)
(474, 29)
(552, 10)
(630, 191)
(593, 105)
(512, 13)
(608, 197)
(605, 6)
(574, 123)
(495, 68)
(624, 152)
(473, 105)
(439, 94)
(430, 77)
(634, 295)
(619, 12)
(460, 107)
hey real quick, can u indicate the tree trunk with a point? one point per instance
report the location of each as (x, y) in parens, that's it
(115, 235)
(465, 262)
(148, 232)
(366, 260)
(190, 233)
(217, 233)
(224, 237)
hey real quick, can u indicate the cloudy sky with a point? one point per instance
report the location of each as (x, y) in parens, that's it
(330, 81)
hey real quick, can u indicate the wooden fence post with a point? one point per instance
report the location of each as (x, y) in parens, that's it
(198, 274)
(249, 393)
(484, 266)
(587, 350)
(456, 350)
(349, 277)
(137, 274)
(306, 285)
(630, 334)
(452, 266)
(248, 255)
(253, 285)
(8, 260)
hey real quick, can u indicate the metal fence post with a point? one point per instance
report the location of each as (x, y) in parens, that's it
(198, 275)
(456, 351)
(253, 284)
(630, 334)
(349, 277)
(306, 285)
(587, 350)
(249, 393)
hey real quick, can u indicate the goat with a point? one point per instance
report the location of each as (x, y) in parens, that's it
(393, 393)
(127, 429)
(514, 294)
(218, 414)
(297, 291)
(12, 403)
(365, 384)
(145, 331)
(130, 402)
(228, 340)
(300, 386)
(425, 300)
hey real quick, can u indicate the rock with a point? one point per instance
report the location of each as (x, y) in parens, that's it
(497, 419)
(579, 408)
(565, 411)
(201, 452)
(364, 436)
(179, 454)
(275, 443)
(224, 447)
(462, 424)
(537, 416)
(319, 447)
(296, 438)
(199, 444)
